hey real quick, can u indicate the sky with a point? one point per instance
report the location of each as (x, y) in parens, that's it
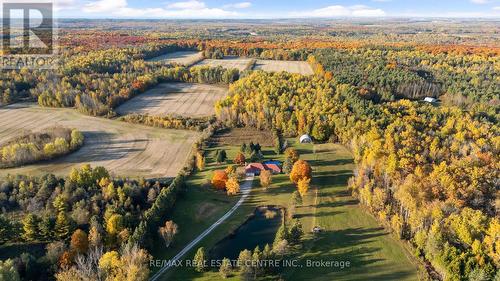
(265, 9)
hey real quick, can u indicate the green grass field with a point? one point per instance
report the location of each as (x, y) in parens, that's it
(350, 234)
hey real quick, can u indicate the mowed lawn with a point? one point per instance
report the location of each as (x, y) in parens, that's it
(350, 234)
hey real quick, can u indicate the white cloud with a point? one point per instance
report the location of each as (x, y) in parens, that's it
(480, 1)
(241, 5)
(193, 4)
(103, 6)
(496, 8)
(187, 9)
(340, 11)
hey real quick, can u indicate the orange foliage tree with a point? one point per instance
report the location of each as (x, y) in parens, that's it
(79, 242)
(240, 159)
(219, 179)
(301, 169)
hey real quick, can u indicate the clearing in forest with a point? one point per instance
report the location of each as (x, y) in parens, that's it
(185, 58)
(124, 149)
(228, 62)
(300, 67)
(349, 233)
(181, 99)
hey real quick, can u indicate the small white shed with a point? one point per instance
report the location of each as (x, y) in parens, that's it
(305, 139)
(430, 100)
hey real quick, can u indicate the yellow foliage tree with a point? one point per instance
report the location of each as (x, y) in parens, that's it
(303, 186)
(200, 161)
(232, 186)
(219, 179)
(265, 178)
(114, 224)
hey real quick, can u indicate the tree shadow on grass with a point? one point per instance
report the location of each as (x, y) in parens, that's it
(317, 214)
(352, 245)
(331, 179)
(336, 204)
(335, 162)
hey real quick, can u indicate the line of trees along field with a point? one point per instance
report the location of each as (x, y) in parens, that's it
(93, 227)
(45, 145)
(430, 173)
(97, 81)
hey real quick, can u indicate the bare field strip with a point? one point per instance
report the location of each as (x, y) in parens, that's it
(300, 67)
(124, 149)
(186, 58)
(182, 99)
(228, 63)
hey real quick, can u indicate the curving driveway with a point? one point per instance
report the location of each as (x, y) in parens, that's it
(245, 189)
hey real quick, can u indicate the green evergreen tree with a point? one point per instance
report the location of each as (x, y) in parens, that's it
(296, 232)
(256, 258)
(62, 228)
(8, 271)
(46, 226)
(221, 156)
(30, 227)
(287, 166)
(6, 230)
(281, 234)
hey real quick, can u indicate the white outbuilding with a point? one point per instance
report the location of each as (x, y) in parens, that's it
(305, 139)
(430, 100)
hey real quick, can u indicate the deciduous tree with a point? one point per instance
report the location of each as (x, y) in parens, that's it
(240, 159)
(303, 186)
(219, 179)
(301, 170)
(79, 242)
(265, 178)
(168, 232)
(232, 186)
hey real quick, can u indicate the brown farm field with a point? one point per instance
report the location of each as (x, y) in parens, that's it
(186, 58)
(300, 67)
(228, 62)
(124, 149)
(182, 99)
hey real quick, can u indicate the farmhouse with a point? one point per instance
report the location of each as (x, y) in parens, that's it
(256, 168)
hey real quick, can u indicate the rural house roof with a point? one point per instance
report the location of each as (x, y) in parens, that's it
(259, 166)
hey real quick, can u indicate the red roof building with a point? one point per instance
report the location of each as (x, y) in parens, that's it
(256, 168)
